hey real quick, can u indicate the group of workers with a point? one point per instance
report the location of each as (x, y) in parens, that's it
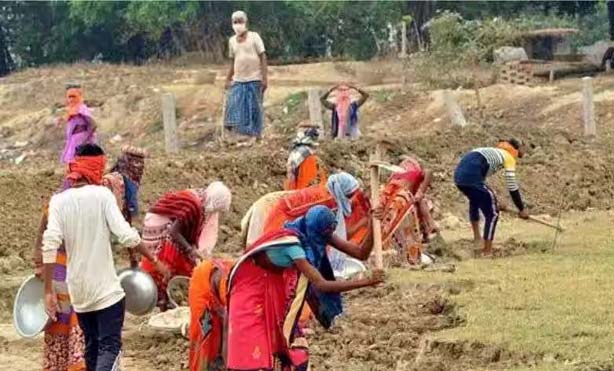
(249, 313)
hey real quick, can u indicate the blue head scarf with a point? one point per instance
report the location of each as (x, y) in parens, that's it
(313, 232)
(341, 185)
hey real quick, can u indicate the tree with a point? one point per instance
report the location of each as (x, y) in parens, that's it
(610, 5)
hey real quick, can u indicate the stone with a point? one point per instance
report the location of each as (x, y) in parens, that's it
(509, 54)
(594, 53)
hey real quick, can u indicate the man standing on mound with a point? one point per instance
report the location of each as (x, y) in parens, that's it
(246, 80)
(470, 178)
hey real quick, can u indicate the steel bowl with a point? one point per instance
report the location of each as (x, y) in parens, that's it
(353, 267)
(29, 316)
(141, 291)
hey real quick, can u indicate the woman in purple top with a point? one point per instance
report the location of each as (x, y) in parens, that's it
(80, 126)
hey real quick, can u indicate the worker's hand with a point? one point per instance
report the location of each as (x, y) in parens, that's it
(378, 212)
(523, 214)
(228, 84)
(38, 270)
(265, 84)
(377, 276)
(163, 270)
(51, 305)
(419, 196)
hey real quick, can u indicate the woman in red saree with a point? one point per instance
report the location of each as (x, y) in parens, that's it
(269, 285)
(405, 212)
(207, 299)
(182, 228)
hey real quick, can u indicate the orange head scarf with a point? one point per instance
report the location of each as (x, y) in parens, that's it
(74, 99)
(505, 145)
(89, 168)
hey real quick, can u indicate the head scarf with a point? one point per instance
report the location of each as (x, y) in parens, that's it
(74, 101)
(215, 198)
(412, 171)
(313, 231)
(342, 105)
(341, 185)
(89, 168)
(239, 14)
(308, 137)
(131, 164)
(507, 146)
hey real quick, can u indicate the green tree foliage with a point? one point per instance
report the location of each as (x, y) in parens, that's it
(34, 33)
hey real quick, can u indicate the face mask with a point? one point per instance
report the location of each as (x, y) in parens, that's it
(239, 28)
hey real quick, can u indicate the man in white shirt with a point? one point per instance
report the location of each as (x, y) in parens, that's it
(83, 218)
(247, 79)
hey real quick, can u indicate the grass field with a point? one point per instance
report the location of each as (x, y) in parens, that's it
(555, 305)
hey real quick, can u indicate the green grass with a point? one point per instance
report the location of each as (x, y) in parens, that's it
(559, 304)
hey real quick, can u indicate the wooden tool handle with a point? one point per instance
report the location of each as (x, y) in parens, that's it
(377, 228)
(543, 222)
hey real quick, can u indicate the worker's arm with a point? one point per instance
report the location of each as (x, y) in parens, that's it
(509, 165)
(424, 186)
(53, 237)
(264, 67)
(324, 285)
(362, 251)
(126, 235)
(183, 244)
(230, 75)
(261, 51)
(363, 96)
(38, 252)
(324, 99)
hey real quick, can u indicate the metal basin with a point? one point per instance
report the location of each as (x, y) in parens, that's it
(141, 291)
(353, 268)
(29, 316)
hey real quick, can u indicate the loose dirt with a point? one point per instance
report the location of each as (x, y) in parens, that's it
(561, 171)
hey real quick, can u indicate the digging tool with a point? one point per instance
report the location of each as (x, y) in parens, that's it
(547, 224)
(377, 228)
(543, 222)
(387, 166)
(558, 219)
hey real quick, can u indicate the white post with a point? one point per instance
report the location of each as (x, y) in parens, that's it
(551, 76)
(588, 107)
(454, 110)
(170, 123)
(608, 67)
(315, 108)
(403, 39)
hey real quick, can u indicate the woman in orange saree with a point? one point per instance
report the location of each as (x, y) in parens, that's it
(406, 219)
(304, 167)
(207, 299)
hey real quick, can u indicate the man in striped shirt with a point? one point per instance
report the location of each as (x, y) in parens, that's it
(470, 178)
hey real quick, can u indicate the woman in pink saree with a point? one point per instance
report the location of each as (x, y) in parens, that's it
(269, 285)
(80, 127)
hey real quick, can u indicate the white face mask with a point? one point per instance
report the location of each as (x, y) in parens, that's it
(239, 28)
